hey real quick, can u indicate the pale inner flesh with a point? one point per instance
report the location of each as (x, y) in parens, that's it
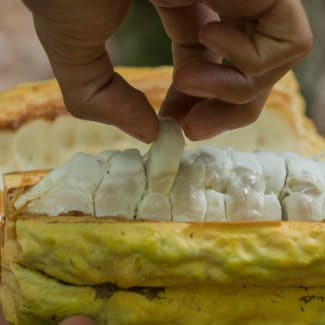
(205, 184)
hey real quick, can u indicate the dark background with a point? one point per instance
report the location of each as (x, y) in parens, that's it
(141, 41)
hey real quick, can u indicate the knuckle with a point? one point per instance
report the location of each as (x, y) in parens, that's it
(136, 97)
(251, 116)
(77, 109)
(180, 75)
(244, 95)
(80, 102)
(77, 113)
(305, 43)
(245, 91)
(255, 67)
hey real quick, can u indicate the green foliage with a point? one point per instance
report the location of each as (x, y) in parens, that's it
(141, 40)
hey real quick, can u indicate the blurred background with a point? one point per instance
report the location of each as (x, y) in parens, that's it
(142, 42)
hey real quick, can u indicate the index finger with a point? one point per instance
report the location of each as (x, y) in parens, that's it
(277, 35)
(182, 21)
(75, 44)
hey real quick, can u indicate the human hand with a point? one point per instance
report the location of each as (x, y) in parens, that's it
(262, 40)
(73, 34)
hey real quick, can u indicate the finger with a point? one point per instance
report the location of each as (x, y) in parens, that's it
(77, 320)
(183, 24)
(211, 117)
(121, 105)
(90, 88)
(177, 105)
(225, 83)
(279, 35)
(240, 9)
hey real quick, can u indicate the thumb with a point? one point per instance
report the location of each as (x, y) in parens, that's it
(77, 320)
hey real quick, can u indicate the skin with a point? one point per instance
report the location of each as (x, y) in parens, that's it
(261, 47)
(262, 40)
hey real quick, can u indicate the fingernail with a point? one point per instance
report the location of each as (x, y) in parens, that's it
(201, 135)
(196, 133)
(141, 136)
(196, 92)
